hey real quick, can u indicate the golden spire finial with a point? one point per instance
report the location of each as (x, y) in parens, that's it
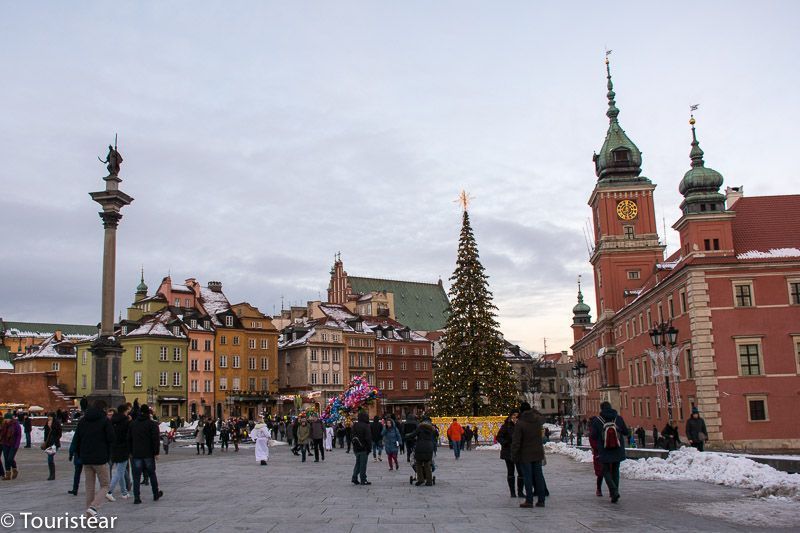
(692, 109)
(464, 198)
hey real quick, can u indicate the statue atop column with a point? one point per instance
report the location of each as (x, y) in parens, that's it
(113, 159)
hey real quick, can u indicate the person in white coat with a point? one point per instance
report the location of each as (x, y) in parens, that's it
(261, 435)
(328, 438)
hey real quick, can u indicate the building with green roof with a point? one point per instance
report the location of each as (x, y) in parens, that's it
(420, 306)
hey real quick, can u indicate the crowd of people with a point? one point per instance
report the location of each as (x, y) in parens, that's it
(116, 450)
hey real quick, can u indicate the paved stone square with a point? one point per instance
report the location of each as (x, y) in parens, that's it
(231, 492)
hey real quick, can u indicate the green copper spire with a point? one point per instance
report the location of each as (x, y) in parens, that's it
(580, 313)
(619, 161)
(700, 185)
(142, 287)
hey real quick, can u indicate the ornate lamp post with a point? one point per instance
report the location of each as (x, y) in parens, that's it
(664, 360)
(107, 350)
(577, 387)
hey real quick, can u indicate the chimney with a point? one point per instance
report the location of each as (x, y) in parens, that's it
(215, 286)
(732, 195)
(57, 335)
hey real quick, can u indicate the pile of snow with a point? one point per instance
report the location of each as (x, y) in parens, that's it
(37, 437)
(729, 470)
(582, 456)
(494, 446)
(692, 465)
(555, 430)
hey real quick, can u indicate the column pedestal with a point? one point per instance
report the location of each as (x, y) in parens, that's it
(106, 369)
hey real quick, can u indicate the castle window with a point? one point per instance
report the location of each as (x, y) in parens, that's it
(629, 233)
(633, 274)
(716, 244)
(622, 156)
(743, 294)
(757, 408)
(794, 292)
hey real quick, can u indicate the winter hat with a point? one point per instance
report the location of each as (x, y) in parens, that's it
(695, 411)
(524, 406)
(8, 416)
(145, 410)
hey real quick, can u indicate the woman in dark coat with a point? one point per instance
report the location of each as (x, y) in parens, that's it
(52, 437)
(425, 437)
(504, 440)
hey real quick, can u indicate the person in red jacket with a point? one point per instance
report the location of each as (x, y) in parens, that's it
(454, 434)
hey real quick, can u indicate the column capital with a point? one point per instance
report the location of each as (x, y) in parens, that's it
(110, 218)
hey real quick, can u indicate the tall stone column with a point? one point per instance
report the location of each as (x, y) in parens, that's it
(107, 350)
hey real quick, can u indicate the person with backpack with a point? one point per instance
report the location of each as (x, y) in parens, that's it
(527, 450)
(362, 445)
(119, 452)
(609, 429)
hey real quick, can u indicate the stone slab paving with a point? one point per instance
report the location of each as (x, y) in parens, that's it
(231, 492)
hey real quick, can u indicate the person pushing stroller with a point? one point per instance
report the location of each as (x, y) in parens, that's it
(424, 435)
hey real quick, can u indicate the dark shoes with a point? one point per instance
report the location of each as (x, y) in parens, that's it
(366, 483)
(428, 484)
(355, 482)
(73, 492)
(137, 501)
(526, 505)
(615, 497)
(539, 504)
(158, 496)
(598, 493)
(418, 483)
(263, 463)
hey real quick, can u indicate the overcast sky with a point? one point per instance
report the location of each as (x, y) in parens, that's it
(261, 138)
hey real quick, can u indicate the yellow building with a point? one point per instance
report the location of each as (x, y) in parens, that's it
(54, 354)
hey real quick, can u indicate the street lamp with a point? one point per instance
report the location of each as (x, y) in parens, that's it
(664, 359)
(124, 378)
(577, 382)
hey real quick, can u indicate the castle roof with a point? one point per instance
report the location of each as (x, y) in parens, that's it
(420, 306)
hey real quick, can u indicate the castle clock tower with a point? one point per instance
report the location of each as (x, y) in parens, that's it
(626, 244)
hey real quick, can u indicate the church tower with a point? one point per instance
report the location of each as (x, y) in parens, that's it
(626, 244)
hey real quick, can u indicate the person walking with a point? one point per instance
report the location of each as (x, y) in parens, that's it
(119, 452)
(672, 439)
(391, 441)
(348, 433)
(641, 436)
(224, 437)
(94, 438)
(610, 431)
(425, 444)
(340, 434)
(328, 438)
(696, 432)
(199, 436)
(377, 439)
(144, 445)
(410, 434)
(260, 436)
(527, 450)
(10, 439)
(454, 434)
(594, 444)
(28, 427)
(76, 461)
(467, 438)
(655, 437)
(236, 436)
(209, 432)
(52, 442)
(504, 436)
(303, 436)
(317, 434)
(362, 444)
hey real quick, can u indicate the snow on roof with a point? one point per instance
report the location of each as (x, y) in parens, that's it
(668, 265)
(47, 350)
(773, 253)
(180, 288)
(157, 326)
(214, 302)
(302, 340)
(6, 365)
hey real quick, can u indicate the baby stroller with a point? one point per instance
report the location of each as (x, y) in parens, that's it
(414, 467)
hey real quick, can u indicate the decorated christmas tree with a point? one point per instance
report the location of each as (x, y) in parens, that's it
(472, 377)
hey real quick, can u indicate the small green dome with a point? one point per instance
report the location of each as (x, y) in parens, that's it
(581, 309)
(700, 185)
(580, 313)
(142, 287)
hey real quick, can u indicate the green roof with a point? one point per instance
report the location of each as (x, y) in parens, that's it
(40, 329)
(420, 306)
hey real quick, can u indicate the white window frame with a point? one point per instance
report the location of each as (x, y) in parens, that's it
(756, 397)
(229, 321)
(163, 354)
(236, 361)
(237, 384)
(163, 379)
(223, 383)
(751, 296)
(742, 341)
(137, 378)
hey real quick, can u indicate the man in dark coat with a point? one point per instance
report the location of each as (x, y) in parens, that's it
(527, 450)
(503, 438)
(28, 427)
(209, 432)
(409, 429)
(317, 434)
(609, 455)
(362, 445)
(425, 439)
(144, 443)
(696, 431)
(94, 437)
(640, 435)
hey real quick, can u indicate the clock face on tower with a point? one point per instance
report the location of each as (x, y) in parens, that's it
(627, 210)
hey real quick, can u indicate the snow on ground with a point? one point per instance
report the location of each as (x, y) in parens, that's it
(37, 437)
(690, 464)
(763, 512)
(488, 447)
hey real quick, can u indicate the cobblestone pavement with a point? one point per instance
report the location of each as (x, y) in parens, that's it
(231, 492)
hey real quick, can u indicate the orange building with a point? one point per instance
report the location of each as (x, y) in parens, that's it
(55, 354)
